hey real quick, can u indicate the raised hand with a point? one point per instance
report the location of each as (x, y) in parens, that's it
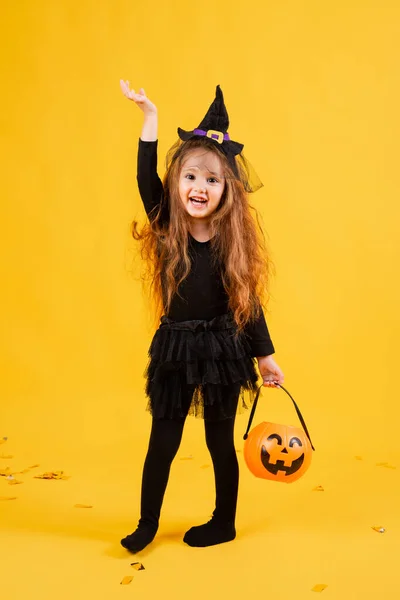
(139, 98)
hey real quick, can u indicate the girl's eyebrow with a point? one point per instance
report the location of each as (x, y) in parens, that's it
(195, 167)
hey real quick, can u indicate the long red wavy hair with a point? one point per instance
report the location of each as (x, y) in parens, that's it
(237, 242)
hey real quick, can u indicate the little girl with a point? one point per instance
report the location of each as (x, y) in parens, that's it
(205, 256)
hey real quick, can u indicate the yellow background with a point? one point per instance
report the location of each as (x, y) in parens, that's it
(312, 89)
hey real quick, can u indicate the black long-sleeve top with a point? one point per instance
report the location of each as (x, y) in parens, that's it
(202, 293)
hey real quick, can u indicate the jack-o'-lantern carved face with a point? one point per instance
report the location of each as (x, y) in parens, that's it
(277, 452)
(279, 458)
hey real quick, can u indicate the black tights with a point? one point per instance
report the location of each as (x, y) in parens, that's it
(165, 439)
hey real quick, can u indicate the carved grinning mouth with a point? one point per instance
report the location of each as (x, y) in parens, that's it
(280, 464)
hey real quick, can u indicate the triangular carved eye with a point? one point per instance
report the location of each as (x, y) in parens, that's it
(275, 436)
(293, 441)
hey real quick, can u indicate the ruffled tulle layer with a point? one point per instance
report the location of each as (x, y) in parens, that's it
(199, 368)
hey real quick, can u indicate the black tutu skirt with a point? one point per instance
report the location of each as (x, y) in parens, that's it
(199, 368)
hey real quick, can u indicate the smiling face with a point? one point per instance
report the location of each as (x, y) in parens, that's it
(281, 458)
(277, 452)
(201, 183)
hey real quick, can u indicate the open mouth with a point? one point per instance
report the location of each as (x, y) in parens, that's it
(198, 201)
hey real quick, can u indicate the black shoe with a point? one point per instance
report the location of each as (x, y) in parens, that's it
(210, 534)
(139, 539)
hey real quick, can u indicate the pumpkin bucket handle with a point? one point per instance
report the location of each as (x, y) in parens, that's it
(253, 410)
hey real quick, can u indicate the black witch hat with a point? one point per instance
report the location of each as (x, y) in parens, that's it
(215, 126)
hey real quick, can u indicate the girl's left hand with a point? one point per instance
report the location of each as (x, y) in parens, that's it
(270, 372)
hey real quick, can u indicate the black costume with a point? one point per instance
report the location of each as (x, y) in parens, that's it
(197, 366)
(195, 344)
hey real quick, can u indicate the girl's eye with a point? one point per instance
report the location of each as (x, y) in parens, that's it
(189, 176)
(212, 180)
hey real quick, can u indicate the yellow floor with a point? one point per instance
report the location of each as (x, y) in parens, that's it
(290, 538)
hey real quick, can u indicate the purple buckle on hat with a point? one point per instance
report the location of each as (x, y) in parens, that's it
(218, 136)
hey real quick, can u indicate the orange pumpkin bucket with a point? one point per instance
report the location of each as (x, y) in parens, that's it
(277, 452)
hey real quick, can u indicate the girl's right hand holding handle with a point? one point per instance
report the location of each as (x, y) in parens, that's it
(150, 126)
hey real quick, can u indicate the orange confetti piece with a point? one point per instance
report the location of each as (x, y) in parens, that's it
(126, 580)
(205, 466)
(190, 457)
(319, 488)
(8, 497)
(138, 566)
(33, 466)
(83, 506)
(320, 587)
(358, 457)
(386, 465)
(6, 456)
(14, 482)
(379, 529)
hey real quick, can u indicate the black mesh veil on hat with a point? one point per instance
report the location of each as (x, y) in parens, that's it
(214, 126)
